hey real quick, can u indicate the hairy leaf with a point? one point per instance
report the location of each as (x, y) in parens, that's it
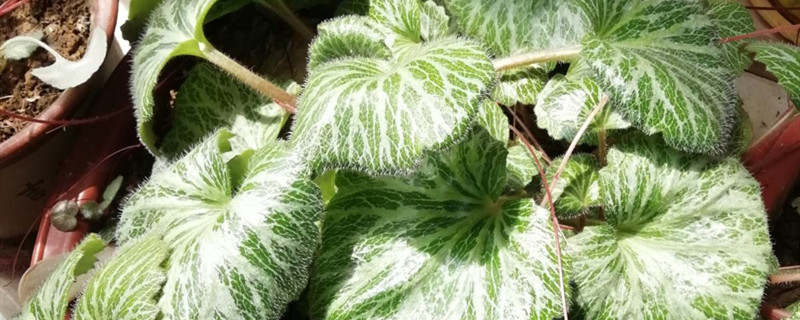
(127, 286)
(380, 114)
(795, 310)
(565, 104)
(783, 61)
(520, 167)
(492, 118)
(50, 302)
(440, 244)
(347, 37)
(511, 27)
(686, 238)
(660, 62)
(208, 100)
(175, 28)
(732, 19)
(520, 86)
(412, 21)
(241, 233)
(577, 188)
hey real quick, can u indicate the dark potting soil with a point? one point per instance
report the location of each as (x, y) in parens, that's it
(66, 26)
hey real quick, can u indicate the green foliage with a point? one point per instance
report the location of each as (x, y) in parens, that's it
(50, 301)
(241, 231)
(430, 206)
(209, 100)
(126, 286)
(686, 238)
(441, 243)
(379, 109)
(782, 60)
(577, 188)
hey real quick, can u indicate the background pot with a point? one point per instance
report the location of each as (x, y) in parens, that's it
(29, 160)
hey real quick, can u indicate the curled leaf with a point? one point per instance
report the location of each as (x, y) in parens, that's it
(64, 73)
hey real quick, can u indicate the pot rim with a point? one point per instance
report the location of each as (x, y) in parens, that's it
(103, 14)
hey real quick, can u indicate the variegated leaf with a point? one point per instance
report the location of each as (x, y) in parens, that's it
(511, 27)
(520, 86)
(577, 188)
(174, 28)
(440, 244)
(521, 167)
(241, 233)
(660, 62)
(381, 114)
(743, 134)
(412, 21)
(565, 104)
(686, 238)
(783, 61)
(51, 300)
(127, 286)
(795, 310)
(348, 37)
(732, 19)
(491, 117)
(209, 100)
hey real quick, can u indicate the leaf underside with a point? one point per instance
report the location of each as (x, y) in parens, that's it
(686, 238)
(439, 244)
(242, 232)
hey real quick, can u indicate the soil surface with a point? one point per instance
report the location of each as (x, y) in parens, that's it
(66, 27)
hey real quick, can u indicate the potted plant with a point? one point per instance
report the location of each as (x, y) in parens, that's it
(408, 187)
(32, 109)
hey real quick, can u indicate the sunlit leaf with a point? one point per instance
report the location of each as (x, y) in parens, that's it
(380, 114)
(241, 232)
(663, 69)
(686, 238)
(127, 286)
(439, 244)
(51, 300)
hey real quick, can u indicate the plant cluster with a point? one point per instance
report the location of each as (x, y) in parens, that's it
(400, 193)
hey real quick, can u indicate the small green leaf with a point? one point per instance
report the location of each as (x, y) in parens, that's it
(511, 27)
(412, 20)
(686, 238)
(381, 114)
(241, 233)
(439, 244)
(577, 188)
(347, 37)
(660, 62)
(732, 19)
(127, 286)
(565, 104)
(783, 61)
(520, 167)
(520, 86)
(50, 302)
(208, 100)
(492, 118)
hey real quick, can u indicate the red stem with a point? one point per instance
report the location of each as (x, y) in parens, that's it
(528, 132)
(9, 5)
(760, 33)
(63, 122)
(556, 225)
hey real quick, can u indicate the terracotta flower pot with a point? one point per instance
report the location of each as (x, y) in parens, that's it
(774, 160)
(29, 159)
